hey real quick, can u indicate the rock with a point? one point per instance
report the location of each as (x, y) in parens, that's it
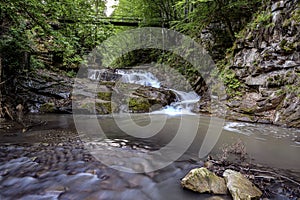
(48, 108)
(240, 187)
(44, 91)
(265, 61)
(216, 198)
(120, 97)
(277, 6)
(138, 105)
(202, 180)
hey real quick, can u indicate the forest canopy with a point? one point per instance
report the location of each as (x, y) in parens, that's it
(36, 31)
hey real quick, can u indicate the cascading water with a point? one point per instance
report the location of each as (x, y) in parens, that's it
(185, 100)
(95, 74)
(183, 105)
(139, 77)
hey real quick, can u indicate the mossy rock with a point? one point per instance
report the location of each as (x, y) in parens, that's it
(103, 108)
(104, 96)
(108, 83)
(204, 181)
(48, 108)
(138, 105)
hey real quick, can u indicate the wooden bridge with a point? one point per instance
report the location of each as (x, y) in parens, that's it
(115, 20)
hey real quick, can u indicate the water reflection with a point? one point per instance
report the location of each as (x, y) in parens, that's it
(65, 170)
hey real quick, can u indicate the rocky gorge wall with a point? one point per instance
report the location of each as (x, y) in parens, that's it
(261, 72)
(262, 69)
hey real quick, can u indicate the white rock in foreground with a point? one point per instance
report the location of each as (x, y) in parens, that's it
(202, 180)
(240, 187)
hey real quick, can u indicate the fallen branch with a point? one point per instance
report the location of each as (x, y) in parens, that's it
(260, 171)
(275, 174)
(28, 127)
(8, 113)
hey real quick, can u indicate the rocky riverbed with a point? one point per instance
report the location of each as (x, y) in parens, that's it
(51, 162)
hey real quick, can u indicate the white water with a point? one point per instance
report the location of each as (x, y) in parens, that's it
(139, 77)
(185, 100)
(184, 105)
(95, 74)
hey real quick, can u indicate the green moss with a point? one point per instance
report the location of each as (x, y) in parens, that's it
(138, 105)
(255, 63)
(282, 43)
(107, 83)
(48, 108)
(296, 16)
(261, 19)
(104, 96)
(231, 82)
(287, 47)
(293, 89)
(103, 108)
(279, 92)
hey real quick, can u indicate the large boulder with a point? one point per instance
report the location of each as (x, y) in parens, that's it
(240, 187)
(202, 180)
(44, 91)
(109, 97)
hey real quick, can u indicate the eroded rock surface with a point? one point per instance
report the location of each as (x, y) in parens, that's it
(265, 62)
(202, 180)
(44, 91)
(240, 187)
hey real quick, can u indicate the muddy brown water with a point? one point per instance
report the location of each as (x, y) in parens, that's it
(53, 162)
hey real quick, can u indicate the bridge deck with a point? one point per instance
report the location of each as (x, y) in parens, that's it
(117, 21)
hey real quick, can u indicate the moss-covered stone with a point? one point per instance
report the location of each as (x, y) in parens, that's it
(202, 180)
(103, 108)
(240, 187)
(48, 108)
(106, 96)
(138, 105)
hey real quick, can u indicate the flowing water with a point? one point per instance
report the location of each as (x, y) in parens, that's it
(52, 161)
(185, 100)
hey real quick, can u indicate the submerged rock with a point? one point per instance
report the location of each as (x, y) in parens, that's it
(240, 187)
(202, 180)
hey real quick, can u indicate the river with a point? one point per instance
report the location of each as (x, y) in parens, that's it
(52, 162)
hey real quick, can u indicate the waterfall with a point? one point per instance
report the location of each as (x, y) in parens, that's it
(139, 77)
(185, 100)
(184, 104)
(95, 74)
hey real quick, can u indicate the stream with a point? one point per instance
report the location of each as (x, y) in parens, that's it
(52, 161)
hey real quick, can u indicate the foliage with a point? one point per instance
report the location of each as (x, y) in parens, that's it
(65, 29)
(198, 14)
(233, 85)
(153, 13)
(261, 19)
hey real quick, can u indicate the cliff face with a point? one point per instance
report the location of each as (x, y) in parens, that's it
(265, 66)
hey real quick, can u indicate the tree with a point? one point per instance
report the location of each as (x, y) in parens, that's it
(199, 14)
(65, 28)
(31, 29)
(153, 13)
